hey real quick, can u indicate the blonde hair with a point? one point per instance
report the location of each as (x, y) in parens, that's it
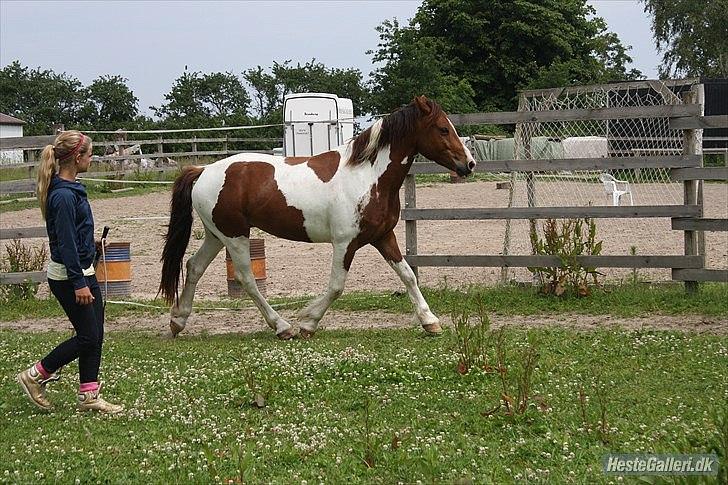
(62, 152)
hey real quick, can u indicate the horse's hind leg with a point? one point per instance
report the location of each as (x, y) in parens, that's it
(239, 249)
(310, 316)
(196, 266)
(387, 247)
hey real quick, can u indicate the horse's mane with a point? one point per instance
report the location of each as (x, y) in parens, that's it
(397, 126)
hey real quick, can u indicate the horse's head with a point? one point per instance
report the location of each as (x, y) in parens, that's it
(437, 139)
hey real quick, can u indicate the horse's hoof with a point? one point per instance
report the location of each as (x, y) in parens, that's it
(174, 328)
(287, 334)
(304, 334)
(432, 329)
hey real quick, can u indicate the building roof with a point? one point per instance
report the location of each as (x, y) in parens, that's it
(10, 120)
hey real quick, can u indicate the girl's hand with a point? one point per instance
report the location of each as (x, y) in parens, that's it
(84, 296)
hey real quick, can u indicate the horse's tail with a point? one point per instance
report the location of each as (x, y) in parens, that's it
(178, 232)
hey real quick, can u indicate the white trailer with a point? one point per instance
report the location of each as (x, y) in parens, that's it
(316, 123)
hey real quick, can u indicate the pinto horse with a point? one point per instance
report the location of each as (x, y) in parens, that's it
(348, 197)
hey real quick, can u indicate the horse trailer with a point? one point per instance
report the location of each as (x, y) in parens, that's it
(316, 123)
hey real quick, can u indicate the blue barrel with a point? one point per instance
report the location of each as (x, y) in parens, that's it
(116, 273)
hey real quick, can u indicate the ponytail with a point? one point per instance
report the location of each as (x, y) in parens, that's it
(48, 167)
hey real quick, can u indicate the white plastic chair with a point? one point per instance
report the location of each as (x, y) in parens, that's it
(616, 188)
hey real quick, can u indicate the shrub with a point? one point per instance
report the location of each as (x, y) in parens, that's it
(567, 240)
(21, 258)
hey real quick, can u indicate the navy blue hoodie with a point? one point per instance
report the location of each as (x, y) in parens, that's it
(70, 226)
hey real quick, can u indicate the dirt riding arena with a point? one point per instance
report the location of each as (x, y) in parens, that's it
(296, 269)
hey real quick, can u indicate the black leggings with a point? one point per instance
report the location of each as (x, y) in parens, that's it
(88, 321)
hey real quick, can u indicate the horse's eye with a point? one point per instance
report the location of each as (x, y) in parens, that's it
(444, 131)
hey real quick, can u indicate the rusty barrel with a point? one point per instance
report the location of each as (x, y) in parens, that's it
(116, 273)
(257, 265)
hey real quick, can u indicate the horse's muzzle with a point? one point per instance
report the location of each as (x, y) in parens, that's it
(466, 170)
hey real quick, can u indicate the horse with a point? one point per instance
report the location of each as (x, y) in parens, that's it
(348, 197)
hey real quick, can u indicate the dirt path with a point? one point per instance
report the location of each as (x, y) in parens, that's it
(296, 269)
(249, 320)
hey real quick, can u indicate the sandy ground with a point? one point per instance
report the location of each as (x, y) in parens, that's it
(296, 269)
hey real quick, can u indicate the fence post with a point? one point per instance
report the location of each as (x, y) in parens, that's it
(410, 227)
(700, 99)
(225, 145)
(160, 146)
(194, 149)
(690, 187)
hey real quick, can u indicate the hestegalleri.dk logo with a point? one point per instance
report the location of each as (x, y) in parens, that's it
(662, 464)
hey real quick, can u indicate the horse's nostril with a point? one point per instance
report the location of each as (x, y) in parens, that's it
(471, 165)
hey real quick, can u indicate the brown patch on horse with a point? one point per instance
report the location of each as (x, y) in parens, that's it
(323, 165)
(250, 197)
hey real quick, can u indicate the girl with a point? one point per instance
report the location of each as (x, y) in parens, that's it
(71, 275)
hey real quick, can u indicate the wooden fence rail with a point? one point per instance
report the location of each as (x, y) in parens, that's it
(686, 168)
(26, 276)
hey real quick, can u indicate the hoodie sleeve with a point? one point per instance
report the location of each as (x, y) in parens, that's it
(63, 205)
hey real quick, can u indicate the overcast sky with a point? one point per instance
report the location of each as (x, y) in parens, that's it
(151, 42)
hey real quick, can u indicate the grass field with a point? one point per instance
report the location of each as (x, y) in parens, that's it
(364, 407)
(619, 301)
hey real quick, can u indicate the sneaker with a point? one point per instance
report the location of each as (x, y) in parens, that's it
(92, 401)
(34, 386)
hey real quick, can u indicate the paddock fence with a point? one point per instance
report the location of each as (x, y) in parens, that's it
(191, 150)
(656, 145)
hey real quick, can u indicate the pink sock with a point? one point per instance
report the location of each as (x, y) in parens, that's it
(88, 386)
(41, 370)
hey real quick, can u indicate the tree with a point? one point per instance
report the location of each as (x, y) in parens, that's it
(498, 48)
(198, 99)
(110, 104)
(269, 89)
(40, 97)
(412, 65)
(693, 36)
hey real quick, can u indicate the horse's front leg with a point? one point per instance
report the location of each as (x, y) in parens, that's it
(239, 249)
(388, 248)
(311, 315)
(196, 266)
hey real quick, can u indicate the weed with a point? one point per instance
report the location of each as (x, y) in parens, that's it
(368, 457)
(21, 258)
(635, 278)
(472, 340)
(258, 390)
(567, 241)
(600, 426)
(516, 389)
(198, 233)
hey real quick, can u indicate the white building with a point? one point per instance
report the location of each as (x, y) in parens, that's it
(10, 127)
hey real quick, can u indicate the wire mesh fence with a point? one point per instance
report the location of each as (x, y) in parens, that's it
(624, 137)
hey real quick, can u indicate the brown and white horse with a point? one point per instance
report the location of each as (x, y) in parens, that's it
(348, 197)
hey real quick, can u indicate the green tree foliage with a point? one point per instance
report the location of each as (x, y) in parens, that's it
(269, 88)
(40, 97)
(692, 36)
(110, 104)
(414, 65)
(495, 48)
(198, 99)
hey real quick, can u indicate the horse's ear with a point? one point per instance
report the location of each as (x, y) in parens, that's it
(423, 104)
